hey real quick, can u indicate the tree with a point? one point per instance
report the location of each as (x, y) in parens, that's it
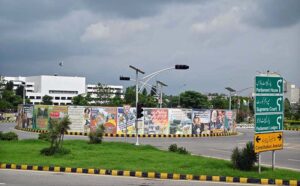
(20, 91)
(47, 100)
(103, 94)
(116, 101)
(219, 102)
(193, 99)
(9, 86)
(130, 96)
(287, 109)
(79, 100)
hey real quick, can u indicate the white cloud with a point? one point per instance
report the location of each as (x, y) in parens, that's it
(225, 22)
(112, 30)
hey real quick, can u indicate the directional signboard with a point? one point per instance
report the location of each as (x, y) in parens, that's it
(268, 122)
(268, 85)
(268, 141)
(265, 104)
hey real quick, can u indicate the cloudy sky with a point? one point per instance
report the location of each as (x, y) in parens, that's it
(225, 42)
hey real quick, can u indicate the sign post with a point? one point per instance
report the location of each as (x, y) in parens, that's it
(269, 107)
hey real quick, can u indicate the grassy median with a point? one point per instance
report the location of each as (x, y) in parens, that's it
(122, 156)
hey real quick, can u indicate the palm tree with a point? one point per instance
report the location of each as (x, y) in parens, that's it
(64, 126)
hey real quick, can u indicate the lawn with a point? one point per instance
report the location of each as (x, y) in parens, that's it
(123, 156)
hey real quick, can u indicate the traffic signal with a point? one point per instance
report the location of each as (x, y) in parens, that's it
(139, 110)
(124, 78)
(181, 67)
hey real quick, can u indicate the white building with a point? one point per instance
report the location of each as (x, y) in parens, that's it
(291, 92)
(61, 88)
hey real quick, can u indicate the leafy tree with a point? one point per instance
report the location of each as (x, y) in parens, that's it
(79, 100)
(130, 96)
(287, 109)
(64, 126)
(173, 101)
(20, 91)
(47, 100)
(145, 93)
(193, 99)
(9, 86)
(116, 101)
(103, 93)
(219, 102)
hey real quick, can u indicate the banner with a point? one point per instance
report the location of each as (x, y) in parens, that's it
(41, 116)
(80, 118)
(156, 121)
(58, 112)
(217, 121)
(106, 116)
(126, 118)
(180, 121)
(201, 122)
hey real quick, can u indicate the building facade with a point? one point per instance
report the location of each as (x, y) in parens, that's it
(61, 88)
(292, 92)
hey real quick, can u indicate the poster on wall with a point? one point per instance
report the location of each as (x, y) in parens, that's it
(80, 118)
(106, 116)
(201, 122)
(58, 112)
(27, 116)
(156, 121)
(218, 121)
(41, 116)
(180, 121)
(126, 118)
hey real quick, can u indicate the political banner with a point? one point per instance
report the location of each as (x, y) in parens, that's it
(41, 116)
(218, 121)
(106, 116)
(180, 121)
(156, 121)
(201, 122)
(126, 117)
(80, 118)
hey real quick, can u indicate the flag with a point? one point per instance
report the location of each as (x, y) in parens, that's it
(61, 63)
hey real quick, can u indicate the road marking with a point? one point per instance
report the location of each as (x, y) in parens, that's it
(2, 184)
(294, 160)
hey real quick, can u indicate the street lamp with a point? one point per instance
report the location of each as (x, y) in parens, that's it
(230, 92)
(145, 80)
(161, 86)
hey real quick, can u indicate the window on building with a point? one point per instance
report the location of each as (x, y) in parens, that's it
(55, 103)
(68, 103)
(62, 92)
(63, 98)
(31, 97)
(38, 97)
(57, 98)
(69, 98)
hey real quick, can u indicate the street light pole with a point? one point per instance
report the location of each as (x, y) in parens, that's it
(160, 95)
(230, 92)
(137, 71)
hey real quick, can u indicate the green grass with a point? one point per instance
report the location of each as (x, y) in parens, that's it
(122, 156)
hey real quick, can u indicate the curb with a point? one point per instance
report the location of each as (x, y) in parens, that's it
(155, 175)
(293, 129)
(140, 135)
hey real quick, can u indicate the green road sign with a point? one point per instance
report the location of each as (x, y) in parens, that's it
(265, 104)
(268, 85)
(268, 123)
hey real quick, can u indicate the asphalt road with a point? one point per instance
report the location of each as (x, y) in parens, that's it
(35, 178)
(218, 147)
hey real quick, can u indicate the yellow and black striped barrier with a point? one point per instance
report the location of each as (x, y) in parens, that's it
(140, 135)
(156, 175)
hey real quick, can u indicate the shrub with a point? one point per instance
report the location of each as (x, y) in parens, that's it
(182, 150)
(1, 135)
(49, 151)
(9, 136)
(97, 136)
(44, 136)
(245, 158)
(173, 148)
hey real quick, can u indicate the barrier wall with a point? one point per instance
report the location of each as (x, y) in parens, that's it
(118, 120)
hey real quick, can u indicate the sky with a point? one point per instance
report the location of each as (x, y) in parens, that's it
(224, 42)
